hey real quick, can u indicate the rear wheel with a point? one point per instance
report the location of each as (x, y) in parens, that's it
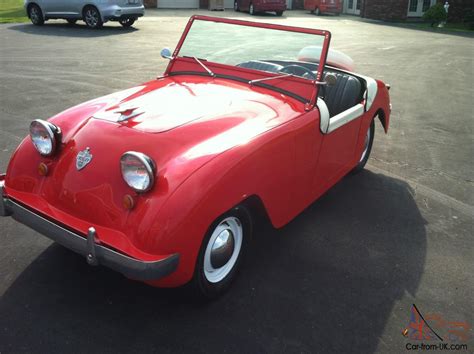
(369, 139)
(251, 10)
(236, 6)
(317, 11)
(279, 13)
(92, 17)
(221, 252)
(36, 15)
(71, 21)
(127, 22)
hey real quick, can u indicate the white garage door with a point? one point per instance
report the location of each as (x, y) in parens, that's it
(178, 4)
(229, 4)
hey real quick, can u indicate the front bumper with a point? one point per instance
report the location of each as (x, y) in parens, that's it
(87, 246)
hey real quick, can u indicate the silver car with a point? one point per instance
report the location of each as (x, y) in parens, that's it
(93, 12)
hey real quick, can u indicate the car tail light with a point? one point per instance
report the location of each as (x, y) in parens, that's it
(45, 136)
(138, 171)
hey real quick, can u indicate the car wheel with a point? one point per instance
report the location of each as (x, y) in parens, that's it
(221, 253)
(36, 15)
(236, 6)
(279, 13)
(92, 17)
(71, 21)
(317, 11)
(364, 157)
(251, 10)
(127, 22)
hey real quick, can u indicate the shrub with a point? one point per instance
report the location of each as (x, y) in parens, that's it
(469, 19)
(435, 14)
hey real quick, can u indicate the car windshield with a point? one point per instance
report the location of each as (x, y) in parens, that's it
(264, 47)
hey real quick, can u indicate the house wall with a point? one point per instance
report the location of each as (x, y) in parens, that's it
(388, 10)
(458, 9)
(150, 3)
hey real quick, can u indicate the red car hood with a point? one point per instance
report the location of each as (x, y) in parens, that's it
(170, 103)
(182, 123)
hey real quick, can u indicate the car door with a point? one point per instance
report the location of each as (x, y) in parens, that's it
(244, 5)
(64, 7)
(339, 139)
(47, 6)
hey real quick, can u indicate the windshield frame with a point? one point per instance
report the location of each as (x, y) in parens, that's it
(311, 102)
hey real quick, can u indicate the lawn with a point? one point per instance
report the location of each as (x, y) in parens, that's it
(450, 26)
(12, 11)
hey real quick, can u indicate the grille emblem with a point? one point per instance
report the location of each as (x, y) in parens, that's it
(83, 158)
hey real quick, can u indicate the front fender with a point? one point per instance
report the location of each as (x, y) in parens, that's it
(262, 168)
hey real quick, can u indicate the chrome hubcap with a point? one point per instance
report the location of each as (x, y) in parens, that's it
(366, 146)
(223, 249)
(92, 17)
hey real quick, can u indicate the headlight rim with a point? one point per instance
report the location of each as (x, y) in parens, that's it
(149, 165)
(54, 133)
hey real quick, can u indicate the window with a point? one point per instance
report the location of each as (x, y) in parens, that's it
(413, 6)
(426, 5)
(358, 4)
(350, 5)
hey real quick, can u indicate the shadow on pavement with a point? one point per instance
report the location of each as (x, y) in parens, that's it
(326, 282)
(60, 29)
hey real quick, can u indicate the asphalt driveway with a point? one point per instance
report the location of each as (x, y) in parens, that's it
(342, 277)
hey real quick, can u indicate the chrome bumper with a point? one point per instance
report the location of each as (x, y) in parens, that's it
(95, 253)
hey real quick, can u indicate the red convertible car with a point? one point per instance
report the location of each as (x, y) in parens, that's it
(161, 182)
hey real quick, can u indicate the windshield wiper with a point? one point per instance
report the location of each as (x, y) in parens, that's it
(251, 82)
(204, 66)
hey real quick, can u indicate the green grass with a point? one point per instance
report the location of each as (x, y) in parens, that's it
(12, 11)
(454, 27)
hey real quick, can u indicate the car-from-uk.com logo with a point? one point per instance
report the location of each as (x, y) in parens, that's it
(432, 332)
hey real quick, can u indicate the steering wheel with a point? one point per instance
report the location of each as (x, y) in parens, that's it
(299, 71)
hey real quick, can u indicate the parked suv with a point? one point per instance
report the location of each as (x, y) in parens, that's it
(93, 12)
(255, 6)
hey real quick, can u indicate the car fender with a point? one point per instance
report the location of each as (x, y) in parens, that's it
(262, 169)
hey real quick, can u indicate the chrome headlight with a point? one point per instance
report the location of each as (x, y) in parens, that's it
(44, 136)
(138, 171)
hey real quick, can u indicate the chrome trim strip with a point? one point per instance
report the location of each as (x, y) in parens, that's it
(345, 117)
(324, 115)
(130, 267)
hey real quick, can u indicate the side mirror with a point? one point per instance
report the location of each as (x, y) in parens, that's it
(330, 79)
(166, 53)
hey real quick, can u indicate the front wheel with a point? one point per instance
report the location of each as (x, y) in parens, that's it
(364, 157)
(92, 17)
(317, 11)
(236, 6)
(221, 253)
(279, 13)
(127, 22)
(36, 15)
